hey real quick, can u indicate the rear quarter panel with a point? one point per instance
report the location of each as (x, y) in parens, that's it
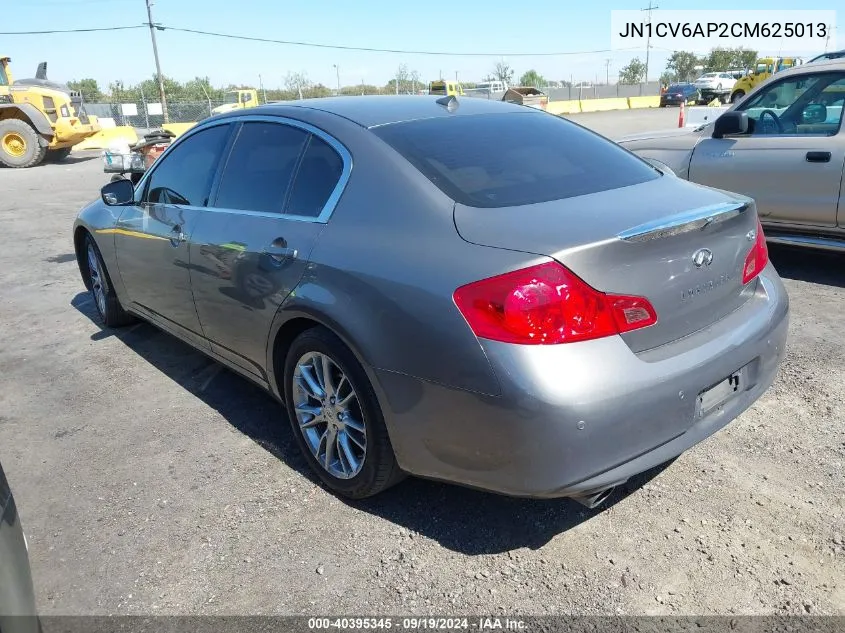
(384, 270)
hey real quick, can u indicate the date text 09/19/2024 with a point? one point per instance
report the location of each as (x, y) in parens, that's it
(418, 624)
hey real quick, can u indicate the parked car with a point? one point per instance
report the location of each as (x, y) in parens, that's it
(676, 94)
(17, 597)
(828, 56)
(715, 86)
(783, 145)
(715, 81)
(527, 309)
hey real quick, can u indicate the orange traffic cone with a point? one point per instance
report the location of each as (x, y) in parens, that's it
(681, 117)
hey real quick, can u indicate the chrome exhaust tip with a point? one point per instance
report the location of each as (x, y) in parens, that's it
(594, 499)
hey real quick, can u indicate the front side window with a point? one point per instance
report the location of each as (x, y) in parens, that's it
(259, 169)
(184, 176)
(807, 105)
(501, 160)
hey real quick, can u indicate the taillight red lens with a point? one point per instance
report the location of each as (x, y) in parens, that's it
(548, 304)
(757, 257)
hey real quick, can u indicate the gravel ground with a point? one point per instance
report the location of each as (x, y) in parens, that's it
(151, 481)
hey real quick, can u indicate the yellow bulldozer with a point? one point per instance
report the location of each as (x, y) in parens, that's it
(39, 119)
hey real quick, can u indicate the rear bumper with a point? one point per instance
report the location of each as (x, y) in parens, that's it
(576, 418)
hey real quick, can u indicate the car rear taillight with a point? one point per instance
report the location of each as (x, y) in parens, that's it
(757, 257)
(546, 305)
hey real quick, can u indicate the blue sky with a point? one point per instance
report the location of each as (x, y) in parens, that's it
(439, 25)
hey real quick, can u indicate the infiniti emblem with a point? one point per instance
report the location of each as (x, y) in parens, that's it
(702, 257)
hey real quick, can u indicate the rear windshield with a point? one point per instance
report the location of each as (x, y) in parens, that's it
(677, 88)
(511, 159)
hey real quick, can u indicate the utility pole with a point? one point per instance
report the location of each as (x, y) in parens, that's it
(649, 8)
(607, 71)
(153, 27)
(260, 85)
(337, 70)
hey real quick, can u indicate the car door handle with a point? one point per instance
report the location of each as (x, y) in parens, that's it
(818, 157)
(177, 236)
(279, 250)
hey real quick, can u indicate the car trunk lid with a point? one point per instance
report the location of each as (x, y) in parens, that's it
(681, 246)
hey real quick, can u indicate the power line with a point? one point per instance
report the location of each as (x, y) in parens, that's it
(379, 50)
(108, 28)
(365, 49)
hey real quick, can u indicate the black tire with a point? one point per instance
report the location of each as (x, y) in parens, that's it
(380, 470)
(57, 155)
(739, 94)
(17, 133)
(110, 311)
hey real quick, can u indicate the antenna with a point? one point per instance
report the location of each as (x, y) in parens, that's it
(449, 102)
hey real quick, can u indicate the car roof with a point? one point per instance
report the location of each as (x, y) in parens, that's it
(815, 67)
(374, 110)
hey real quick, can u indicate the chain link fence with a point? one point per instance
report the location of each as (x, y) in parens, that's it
(150, 115)
(143, 114)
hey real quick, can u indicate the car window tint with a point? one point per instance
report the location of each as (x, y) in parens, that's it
(185, 174)
(259, 169)
(517, 158)
(317, 177)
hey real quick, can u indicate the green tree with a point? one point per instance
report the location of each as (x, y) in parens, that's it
(297, 83)
(633, 73)
(200, 89)
(534, 79)
(682, 65)
(720, 59)
(668, 78)
(89, 88)
(503, 72)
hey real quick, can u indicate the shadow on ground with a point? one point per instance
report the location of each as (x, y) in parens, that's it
(460, 519)
(805, 264)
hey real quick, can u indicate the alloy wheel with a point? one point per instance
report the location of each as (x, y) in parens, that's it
(329, 415)
(97, 281)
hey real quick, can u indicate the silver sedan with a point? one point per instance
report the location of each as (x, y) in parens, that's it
(465, 290)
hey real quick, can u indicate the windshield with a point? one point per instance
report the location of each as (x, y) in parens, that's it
(677, 88)
(231, 97)
(514, 159)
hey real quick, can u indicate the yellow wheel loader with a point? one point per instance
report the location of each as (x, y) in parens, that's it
(39, 119)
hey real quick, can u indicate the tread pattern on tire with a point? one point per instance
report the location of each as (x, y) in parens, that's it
(387, 472)
(32, 139)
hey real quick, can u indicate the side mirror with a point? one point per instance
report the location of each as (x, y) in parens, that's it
(814, 113)
(730, 123)
(118, 192)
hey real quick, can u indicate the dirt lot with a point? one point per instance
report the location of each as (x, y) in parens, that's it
(151, 481)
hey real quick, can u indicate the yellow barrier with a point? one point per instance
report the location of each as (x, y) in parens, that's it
(104, 138)
(178, 128)
(603, 105)
(644, 102)
(572, 106)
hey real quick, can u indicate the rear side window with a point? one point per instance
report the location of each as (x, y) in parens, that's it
(260, 167)
(511, 159)
(316, 179)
